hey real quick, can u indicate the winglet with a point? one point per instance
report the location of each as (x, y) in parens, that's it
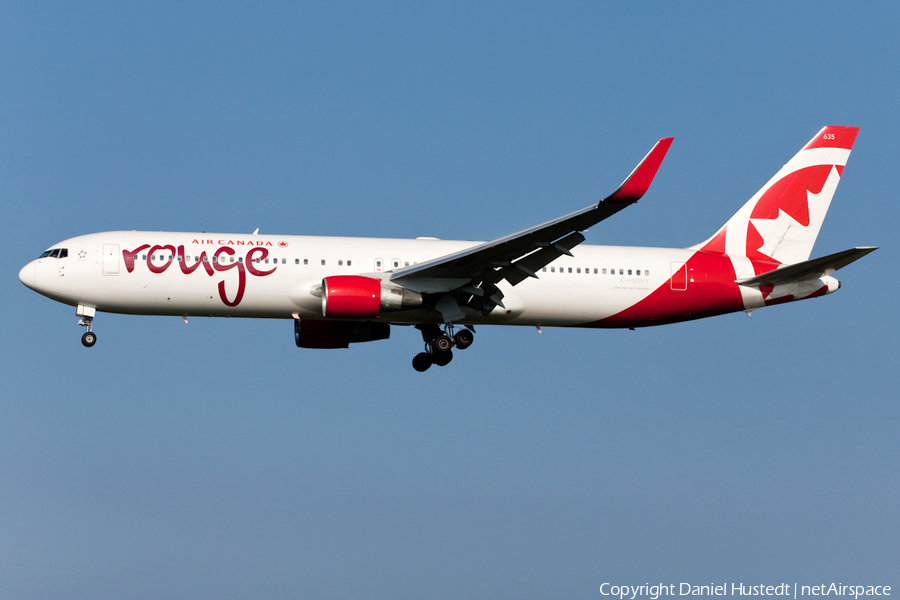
(639, 181)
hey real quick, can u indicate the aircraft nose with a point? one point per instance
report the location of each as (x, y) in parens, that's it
(27, 274)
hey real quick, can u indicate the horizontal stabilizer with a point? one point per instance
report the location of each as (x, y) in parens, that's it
(810, 269)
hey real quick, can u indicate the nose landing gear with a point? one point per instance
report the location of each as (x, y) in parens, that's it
(89, 339)
(439, 345)
(87, 315)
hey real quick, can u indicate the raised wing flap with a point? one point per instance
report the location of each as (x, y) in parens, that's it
(810, 269)
(529, 265)
(518, 256)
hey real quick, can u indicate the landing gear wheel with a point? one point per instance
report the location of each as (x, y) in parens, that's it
(463, 339)
(442, 343)
(421, 362)
(89, 339)
(442, 359)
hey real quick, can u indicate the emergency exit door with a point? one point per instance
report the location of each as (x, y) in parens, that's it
(679, 277)
(110, 259)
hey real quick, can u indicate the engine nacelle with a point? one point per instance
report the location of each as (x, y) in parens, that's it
(358, 297)
(337, 334)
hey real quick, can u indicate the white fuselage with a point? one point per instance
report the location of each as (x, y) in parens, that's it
(277, 276)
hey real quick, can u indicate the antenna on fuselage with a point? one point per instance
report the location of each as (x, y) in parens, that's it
(255, 231)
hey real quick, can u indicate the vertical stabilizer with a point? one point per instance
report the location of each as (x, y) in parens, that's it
(779, 224)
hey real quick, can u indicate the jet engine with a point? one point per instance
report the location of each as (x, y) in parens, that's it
(358, 297)
(337, 334)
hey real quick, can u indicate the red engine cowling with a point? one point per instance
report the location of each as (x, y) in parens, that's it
(351, 297)
(358, 297)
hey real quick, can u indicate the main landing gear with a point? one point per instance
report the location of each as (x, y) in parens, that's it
(439, 345)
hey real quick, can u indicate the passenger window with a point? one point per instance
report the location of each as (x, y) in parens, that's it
(621, 272)
(283, 261)
(570, 269)
(638, 272)
(305, 261)
(240, 259)
(215, 259)
(629, 271)
(396, 264)
(646, 273)
(553, 269)
(578, 270)
(377, 263)
(296, 261)
(340, 263)
(595, 271)
(545, 269)
(349, 263)
(267, 260)
(323, 261)
(406, 264)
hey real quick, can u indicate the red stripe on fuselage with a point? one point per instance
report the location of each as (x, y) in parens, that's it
(710, 291)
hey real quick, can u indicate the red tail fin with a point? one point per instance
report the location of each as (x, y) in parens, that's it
(780, 223)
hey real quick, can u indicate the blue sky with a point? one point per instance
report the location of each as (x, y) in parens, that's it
(216, 460)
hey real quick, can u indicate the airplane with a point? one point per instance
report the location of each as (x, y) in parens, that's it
(340, 290)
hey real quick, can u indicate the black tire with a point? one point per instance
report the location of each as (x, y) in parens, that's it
(89, 339)
(421, 362)
(442, 343)
(463, 339)
(442, 359)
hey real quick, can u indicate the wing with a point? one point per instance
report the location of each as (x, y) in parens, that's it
(515, 257)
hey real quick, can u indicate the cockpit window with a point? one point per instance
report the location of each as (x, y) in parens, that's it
(55, 253)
